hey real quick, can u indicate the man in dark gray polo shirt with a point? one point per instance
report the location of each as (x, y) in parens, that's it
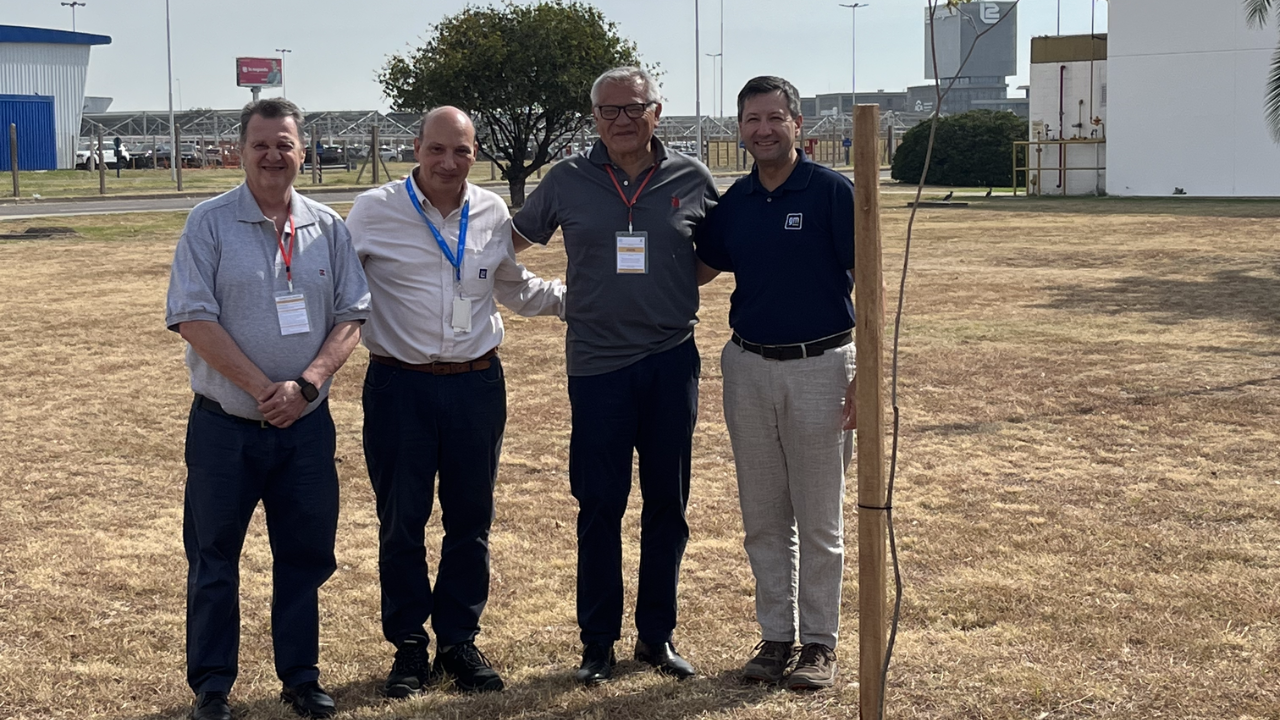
(627, 209)
(269, 295)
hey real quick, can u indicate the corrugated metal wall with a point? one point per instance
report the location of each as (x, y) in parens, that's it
(37, 143)
(48, 69)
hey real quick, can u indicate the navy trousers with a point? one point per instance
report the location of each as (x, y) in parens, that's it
(231, 466)
(418, 425)
(648, 408)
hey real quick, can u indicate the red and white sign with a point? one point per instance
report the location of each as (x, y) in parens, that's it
(259, 72)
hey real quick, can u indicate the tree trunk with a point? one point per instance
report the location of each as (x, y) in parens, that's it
(516, 186)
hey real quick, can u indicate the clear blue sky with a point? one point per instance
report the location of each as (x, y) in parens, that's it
(339, 45)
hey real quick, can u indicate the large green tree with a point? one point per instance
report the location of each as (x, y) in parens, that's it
(523, 73)
(1258, 13)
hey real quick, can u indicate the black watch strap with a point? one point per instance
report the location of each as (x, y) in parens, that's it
(309, 392)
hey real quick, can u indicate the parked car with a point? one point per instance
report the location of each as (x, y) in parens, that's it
(87, 157)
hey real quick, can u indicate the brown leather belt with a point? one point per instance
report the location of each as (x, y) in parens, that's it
(440, 368)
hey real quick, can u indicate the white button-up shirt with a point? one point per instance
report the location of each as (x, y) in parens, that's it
(413, 286)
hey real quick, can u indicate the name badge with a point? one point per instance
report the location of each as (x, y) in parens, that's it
(461, 315)
(291, 309)
(633, 257)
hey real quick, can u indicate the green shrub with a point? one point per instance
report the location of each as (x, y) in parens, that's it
(971, 149)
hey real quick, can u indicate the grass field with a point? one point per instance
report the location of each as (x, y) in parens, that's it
(78, 183)
(1088, 503)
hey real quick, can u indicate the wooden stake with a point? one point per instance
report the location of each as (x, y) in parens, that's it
(102, 165)
(13, 156)
(175, 155)
(869, 303)
(315, 157)
(377, 156)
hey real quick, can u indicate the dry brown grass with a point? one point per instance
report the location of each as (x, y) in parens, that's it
(1087, 503)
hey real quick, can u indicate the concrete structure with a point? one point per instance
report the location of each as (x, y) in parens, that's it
(1185, 100)
(1068, 103)
(36, 61)
(977, 45)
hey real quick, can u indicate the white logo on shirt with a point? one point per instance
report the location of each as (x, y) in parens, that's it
(794, 221)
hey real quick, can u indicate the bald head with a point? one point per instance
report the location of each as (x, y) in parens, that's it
(446, 118)
(445, 150)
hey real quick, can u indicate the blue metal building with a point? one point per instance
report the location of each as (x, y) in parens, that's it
(42, 79)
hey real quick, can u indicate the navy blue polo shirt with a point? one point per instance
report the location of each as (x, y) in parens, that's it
(791, 252)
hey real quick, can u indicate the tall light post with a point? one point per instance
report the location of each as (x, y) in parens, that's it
(73, 6)
(697, 76)
(284, 84)
(714, 57)
(173, 131)
(721, 54)
(853, 76)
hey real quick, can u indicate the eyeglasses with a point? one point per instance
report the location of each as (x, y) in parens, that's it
(635, 111)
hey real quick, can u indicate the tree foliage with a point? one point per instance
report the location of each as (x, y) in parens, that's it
(1257, 14)
(523, 73)
(973, 148)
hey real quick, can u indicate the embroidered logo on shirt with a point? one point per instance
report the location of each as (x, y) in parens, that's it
(675, 201)
(322, 272)
(484, 273)
(794, 220)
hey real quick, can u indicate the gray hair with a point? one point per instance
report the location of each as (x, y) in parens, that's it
(766, 84)
(628, 75)
(270, 108)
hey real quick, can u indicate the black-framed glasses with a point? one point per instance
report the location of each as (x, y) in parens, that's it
(635, 111)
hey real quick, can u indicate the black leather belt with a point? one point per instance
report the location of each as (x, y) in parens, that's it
(794, 352)
(212, 406)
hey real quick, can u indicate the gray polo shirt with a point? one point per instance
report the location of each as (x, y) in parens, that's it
(228, 269)
(617, 319)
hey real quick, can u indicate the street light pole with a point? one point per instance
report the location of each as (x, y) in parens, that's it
(853, 73)
(173, 134)
(721, 58)
(73, 6)
(697, 76)
(284, 84)
(720, 112)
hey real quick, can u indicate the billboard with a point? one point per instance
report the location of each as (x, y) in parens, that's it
(259, 72)
(988, 29)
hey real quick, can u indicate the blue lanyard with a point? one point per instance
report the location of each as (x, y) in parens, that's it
(455, 261)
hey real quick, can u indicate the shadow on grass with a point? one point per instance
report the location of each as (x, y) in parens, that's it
(554, 694)
(1088, 205)
(1246, 295)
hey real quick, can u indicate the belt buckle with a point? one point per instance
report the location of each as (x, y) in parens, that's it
(441, 369)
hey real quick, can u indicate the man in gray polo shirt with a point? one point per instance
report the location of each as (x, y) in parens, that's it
(627, 209)
(269, 294)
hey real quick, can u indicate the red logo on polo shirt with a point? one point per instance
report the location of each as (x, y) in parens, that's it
(321, 273)
(675, 201)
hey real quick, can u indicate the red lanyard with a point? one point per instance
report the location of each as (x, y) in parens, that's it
(287, 255)
(632, 202)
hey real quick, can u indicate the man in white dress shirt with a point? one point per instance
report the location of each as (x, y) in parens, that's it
(437, 252)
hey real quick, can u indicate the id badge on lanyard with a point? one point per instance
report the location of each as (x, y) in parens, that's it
(291, 306)
(461, 319)
(632, 245)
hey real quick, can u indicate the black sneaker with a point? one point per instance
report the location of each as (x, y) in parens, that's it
(411, 671)
(469, 668)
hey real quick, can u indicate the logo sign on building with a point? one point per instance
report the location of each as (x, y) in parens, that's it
(259, 72)
(990, 13)
(978, 39)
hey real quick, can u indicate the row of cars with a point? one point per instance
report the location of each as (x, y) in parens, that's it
(140, 156)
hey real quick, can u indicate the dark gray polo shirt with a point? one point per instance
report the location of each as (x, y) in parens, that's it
(227, 269)
(617, 319)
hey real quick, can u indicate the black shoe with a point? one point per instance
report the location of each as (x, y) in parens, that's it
(664, 659)
(411, 671)
(597, 664)
(309, 700)
(211, 706)
(469, 668)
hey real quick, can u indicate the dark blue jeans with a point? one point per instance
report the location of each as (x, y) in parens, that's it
(231, 465)
(418, 425)
(648, 408)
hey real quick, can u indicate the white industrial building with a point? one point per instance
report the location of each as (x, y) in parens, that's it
(1068, 115)
(49, 63)
(1186, 86)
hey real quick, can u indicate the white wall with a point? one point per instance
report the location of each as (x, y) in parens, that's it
(1186, 93)
(1045, 124)
(50, 69)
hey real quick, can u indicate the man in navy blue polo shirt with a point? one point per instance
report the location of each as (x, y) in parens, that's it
(786, 232)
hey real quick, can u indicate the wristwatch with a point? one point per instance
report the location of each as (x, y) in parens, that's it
(309, 392)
